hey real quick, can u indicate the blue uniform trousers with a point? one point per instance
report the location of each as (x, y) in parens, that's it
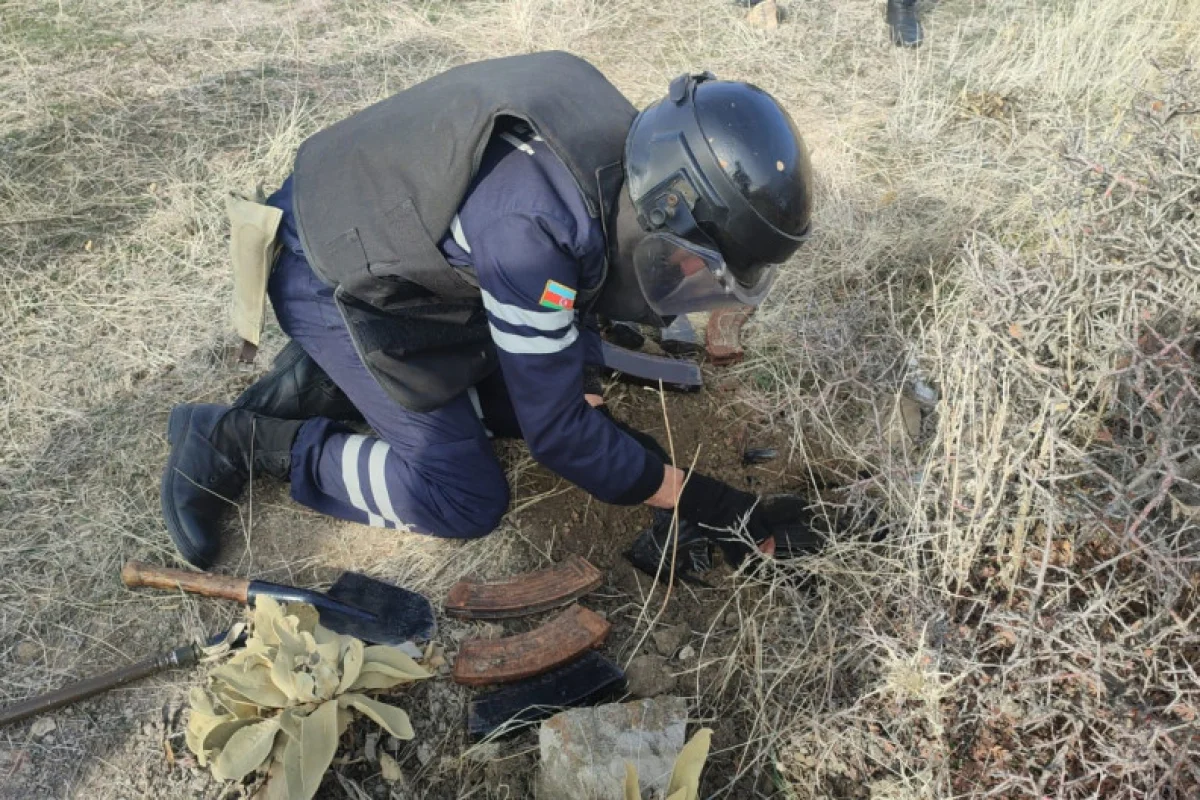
(434, 472)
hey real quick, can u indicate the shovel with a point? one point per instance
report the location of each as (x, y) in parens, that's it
(355, 605)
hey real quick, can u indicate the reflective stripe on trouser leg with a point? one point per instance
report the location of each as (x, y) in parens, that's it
(433, 472)
(351, 482)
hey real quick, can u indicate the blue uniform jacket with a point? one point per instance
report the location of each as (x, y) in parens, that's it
(524, 232)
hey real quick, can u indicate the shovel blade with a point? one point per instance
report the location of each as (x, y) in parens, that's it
(396, 615)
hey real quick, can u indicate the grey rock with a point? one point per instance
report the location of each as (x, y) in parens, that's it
(424, 753)
(42, 727)
(584, 751)
(669, 639)
(649, 676)
(371, 747)
(27, 653)
(687, 653)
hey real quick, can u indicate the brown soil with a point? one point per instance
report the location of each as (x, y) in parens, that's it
(551, 519)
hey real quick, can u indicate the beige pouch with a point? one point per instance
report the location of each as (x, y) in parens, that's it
(252, 250)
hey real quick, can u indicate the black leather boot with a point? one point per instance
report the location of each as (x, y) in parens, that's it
(214, 451)
(902, 18)
(297, 388)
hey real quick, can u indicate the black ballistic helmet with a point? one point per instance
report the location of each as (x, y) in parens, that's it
(718, 175)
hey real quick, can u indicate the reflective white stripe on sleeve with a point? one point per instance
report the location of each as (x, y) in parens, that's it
(379, 489)
(456, 232)
(515, 315)
(531, 345)
(517, 143)
(350, 477)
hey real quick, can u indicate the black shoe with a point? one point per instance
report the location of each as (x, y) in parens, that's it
(693, 553)
(905, 24)
(297, 388)
(214, 451)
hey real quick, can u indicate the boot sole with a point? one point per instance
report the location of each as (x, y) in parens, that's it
(178, 422)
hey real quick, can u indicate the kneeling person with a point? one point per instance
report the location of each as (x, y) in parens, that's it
(439, 254)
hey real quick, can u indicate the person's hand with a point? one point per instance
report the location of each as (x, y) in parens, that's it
(721, 509)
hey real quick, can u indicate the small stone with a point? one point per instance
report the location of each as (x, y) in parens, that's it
(584, 751)
(667, 640)
(390, 769)
(687, 653)
(371, 747)
(733, 620)
(424, 753)
(27, 653)
(393, 743)
(42, 727)
(649, 676)
(764, 15)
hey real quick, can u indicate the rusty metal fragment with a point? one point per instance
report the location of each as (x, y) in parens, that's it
(524, 594)
(723, 335)
(572, 633)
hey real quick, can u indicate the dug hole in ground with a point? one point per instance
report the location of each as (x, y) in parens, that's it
(988, 350)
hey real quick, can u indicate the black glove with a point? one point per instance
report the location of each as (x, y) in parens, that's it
(717, 508)
(716, 504)
(692, 552)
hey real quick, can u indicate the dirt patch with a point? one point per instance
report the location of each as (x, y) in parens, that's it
(272, 537)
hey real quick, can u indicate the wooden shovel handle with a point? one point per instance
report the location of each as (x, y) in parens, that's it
(136, 573)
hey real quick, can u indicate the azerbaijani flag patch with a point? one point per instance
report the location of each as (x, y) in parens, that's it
(555, 295)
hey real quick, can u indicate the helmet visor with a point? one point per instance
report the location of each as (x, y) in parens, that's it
(678, 276)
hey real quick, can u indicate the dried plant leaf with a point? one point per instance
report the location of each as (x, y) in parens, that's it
(255, 686)
(389, 769)
(282, 675)
(685, 777)
(305, 688)
(394, 658)
(384, 667)
(345, 720)
(201, 703)
(306, 616)
(352, 661)
(318, 741)
(381, 677)
(391, 719)
(290, 637)
(330, 652)
(631, 783)
(266, 611)
(206, 740)
(246, 751)
(291, 664)
(276, 786)
(293, 769)
(325, 681)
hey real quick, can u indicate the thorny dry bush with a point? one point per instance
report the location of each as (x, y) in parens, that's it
(1030, 625)
(985, 229)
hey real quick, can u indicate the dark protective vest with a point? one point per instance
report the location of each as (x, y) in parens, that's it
(376, 192)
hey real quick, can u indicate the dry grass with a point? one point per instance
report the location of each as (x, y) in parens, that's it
(1006, 215)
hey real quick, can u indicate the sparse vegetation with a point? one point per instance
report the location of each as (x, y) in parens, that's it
(1006, 246)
